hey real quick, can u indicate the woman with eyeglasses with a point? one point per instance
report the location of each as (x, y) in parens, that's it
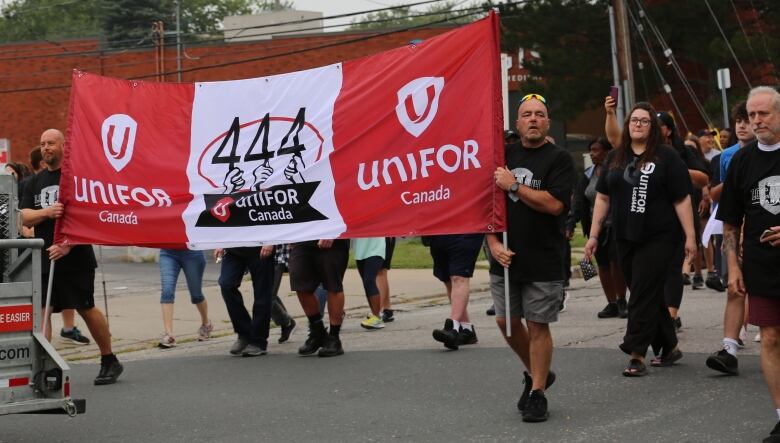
(646, 191)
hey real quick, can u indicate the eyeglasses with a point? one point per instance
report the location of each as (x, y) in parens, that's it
(530, 96)
(639, 121)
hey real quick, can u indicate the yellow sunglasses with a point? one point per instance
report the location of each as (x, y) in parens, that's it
(530, 96)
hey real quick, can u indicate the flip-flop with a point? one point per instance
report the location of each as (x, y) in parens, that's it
(635, 368)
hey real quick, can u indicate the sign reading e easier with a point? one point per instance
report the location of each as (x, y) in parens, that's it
(16, 318)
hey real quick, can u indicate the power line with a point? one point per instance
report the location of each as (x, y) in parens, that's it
(728, 44)
(667, 51)
(261, 58)
(223, 39)
(668, 89)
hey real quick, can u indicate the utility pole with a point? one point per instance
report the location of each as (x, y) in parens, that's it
(158, 33)
(623, 45)
(178, 41)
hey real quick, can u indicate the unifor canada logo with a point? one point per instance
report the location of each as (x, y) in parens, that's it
(769, 194)
(257, 171)
(118, 137)
(418, 102)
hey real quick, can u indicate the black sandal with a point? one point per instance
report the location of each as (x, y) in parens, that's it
(670, 358)
(635, 368)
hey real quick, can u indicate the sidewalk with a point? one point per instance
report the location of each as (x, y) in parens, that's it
(136, 321)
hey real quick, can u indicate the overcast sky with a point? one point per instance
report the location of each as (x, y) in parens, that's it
(336, 7)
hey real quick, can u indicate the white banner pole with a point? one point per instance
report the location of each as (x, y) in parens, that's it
(507, 314)
(48, 296)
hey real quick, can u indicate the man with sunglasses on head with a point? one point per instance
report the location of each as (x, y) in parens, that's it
(538, 179)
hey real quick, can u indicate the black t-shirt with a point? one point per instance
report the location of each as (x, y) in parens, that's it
(537, 238)
(751, 191)
(42, 192)
(642, 199)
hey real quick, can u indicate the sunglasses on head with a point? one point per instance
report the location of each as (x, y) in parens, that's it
(530, 96)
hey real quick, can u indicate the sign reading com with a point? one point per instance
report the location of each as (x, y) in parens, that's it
(257, 172)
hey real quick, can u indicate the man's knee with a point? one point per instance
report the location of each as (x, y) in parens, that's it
(770, 337)
(458, 280)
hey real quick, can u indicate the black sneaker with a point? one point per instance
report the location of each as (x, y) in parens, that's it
(467, 336)
(109, 372)
(609, 311)
(315, 341)
(622, 308)
(698, 282)
(564, 299)
(536, 408)
(686, 279)
(252, 350)
(723, 362)
(74, 336)
(491, 311)
(449, 336)
(387, 315)
(677, 324)
(528, 383)
(714, 282)
(331, 347)
(774, 436)
(287, 331)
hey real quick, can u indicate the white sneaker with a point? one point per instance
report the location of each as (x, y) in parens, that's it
(743, 335)
(204, 332)
(757, 338)
(167, 341)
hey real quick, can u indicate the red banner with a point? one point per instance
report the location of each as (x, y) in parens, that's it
(401, 143)
(16, 318)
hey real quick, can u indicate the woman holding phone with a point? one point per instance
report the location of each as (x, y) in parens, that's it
(645, 189)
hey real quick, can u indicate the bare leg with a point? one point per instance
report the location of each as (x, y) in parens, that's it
(203, 310)
(374, 303)
(459, 298)
(733, 315)
(309, 303)
(68, 318)
(96, 323)
(519, 341)
(336, 308)
(607, 282)
(46, 313)
(167, 315)
(384, 289)
(770, 360)
(541, 349)
(673, 312)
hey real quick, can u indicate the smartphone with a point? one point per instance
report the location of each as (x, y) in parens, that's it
(766, 233)
(613, 92)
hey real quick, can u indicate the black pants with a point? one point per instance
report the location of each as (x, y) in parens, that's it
(254, 328)
(673, 290)
(645, 266)
(279, 313)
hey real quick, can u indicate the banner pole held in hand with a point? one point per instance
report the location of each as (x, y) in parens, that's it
(48, 296)
(507, 313)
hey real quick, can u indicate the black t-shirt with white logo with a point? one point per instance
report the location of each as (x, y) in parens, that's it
(751, 190)
(537, 238)
(642, 198)
(42, 192)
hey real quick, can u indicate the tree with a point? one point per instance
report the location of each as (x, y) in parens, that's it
(572, 38)
(22, 20)
(404, 17)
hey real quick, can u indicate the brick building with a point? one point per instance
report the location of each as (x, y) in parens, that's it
(35, 77)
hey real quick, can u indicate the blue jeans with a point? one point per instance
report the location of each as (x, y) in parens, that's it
(253, 329)
(171, 262)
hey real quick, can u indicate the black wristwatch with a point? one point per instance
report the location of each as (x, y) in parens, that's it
(515, 186)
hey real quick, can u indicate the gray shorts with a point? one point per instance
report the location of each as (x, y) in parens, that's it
(538, 302)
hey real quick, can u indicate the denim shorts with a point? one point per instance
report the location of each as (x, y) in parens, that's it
(193, 263)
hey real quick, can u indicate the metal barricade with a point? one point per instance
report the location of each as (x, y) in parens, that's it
(34, 378)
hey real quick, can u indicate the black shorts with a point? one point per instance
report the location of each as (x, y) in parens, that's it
(309, 266)
(71, 289)
(455, 255)
(389, 248)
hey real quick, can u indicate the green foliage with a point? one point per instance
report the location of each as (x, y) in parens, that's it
(572, 38)
(405, 17)
(123, 23)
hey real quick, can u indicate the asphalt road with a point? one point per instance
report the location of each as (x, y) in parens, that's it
(424, 395)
